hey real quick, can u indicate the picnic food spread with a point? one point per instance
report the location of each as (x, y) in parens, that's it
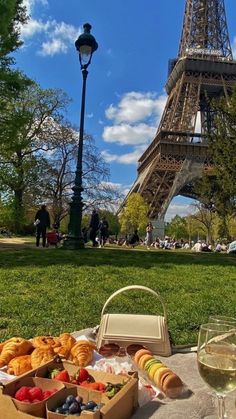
(82, 390)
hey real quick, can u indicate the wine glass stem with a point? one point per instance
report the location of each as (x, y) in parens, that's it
(221, 406)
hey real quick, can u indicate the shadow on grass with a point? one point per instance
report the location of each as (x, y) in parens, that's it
(119, 257)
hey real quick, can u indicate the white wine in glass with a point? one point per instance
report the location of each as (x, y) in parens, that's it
(217, 359)
(225, 320)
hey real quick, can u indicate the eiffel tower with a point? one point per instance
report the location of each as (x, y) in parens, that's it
(204, 69)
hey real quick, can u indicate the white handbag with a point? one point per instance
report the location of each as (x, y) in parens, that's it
(125, 329)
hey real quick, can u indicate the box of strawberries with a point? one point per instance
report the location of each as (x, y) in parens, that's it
(60, 390)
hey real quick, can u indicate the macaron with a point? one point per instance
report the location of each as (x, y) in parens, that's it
(172, 385)
(143, 360)
(150, 362)
(158, 374)
(139, 353)
(153, 369)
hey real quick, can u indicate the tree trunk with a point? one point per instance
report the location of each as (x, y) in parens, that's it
(18, 211)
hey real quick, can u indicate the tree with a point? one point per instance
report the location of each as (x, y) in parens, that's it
(177, 228)
(12, 15)
(113, 221)
(59, 174)
(134, 215)
(216, 200)
(206, 219)
(25, 140)
(222, 146)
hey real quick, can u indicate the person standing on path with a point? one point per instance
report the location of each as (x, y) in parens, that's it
(42, 222)
(94, 225)
(103, 232)
(149, 236)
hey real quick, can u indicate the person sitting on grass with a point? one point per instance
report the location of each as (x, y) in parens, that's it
(232, 247)
(134, 239)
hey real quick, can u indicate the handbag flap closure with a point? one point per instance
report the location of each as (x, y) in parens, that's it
(135, 325)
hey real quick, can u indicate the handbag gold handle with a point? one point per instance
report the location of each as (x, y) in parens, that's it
(135, 287)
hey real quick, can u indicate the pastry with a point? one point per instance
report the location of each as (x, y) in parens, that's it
(67, 342)
(19, 365)
(14, 339)
(142, 361)
(41, 356)
(158, 375)
(172, 385)
(82, 352)
(45, 342)
(13, 348)
(139, 353)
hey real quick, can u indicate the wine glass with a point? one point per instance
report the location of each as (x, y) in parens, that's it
(225, 320)
(217, 359)
(222, 319)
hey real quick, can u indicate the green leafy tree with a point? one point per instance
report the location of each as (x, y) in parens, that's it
(12, 15)
(113, 221)
(177, 228)
(134, 215)
(25, 142)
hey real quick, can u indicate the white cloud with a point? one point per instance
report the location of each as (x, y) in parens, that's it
(128, 134)
(128, 158)
(53, 47)
(234, 47)
(57, 36)
(136, 106)
(179, 209)
(89, 115)
(33, 27)
(29, 4)
(123, 189)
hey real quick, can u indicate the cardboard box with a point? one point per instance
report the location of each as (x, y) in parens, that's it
(10, 406)
(122, 405)
(125, 401)
(59, 399)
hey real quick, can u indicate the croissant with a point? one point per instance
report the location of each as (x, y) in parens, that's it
(82, 352)
(15, 347)
(67, 342)
(14, 339)
(19, 365)
(45, 342)
(41, 356)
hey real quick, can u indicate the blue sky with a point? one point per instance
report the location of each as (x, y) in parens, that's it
(125, 88)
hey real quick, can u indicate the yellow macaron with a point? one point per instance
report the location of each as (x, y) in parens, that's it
(154, 368)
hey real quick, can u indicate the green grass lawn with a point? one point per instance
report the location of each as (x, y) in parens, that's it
(47, 291)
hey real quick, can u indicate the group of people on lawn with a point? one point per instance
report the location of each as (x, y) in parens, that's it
(98, 232)
(98, 229)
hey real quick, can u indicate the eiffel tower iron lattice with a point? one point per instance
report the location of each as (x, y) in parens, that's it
(204, 69)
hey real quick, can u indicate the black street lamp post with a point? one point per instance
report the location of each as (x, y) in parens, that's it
(85, 45)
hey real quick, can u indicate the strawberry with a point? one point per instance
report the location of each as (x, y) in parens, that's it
(101, 387)
(22, 394)
(25, 401)
(36, 401)
(85, 384)
(94, 386)
(47, 394)
(63, 376)
(81, 375)
(35, 393)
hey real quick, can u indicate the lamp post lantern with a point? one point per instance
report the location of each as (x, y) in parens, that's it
(86, 45)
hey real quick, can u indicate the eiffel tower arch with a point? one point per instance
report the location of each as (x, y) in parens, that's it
(204, 69)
